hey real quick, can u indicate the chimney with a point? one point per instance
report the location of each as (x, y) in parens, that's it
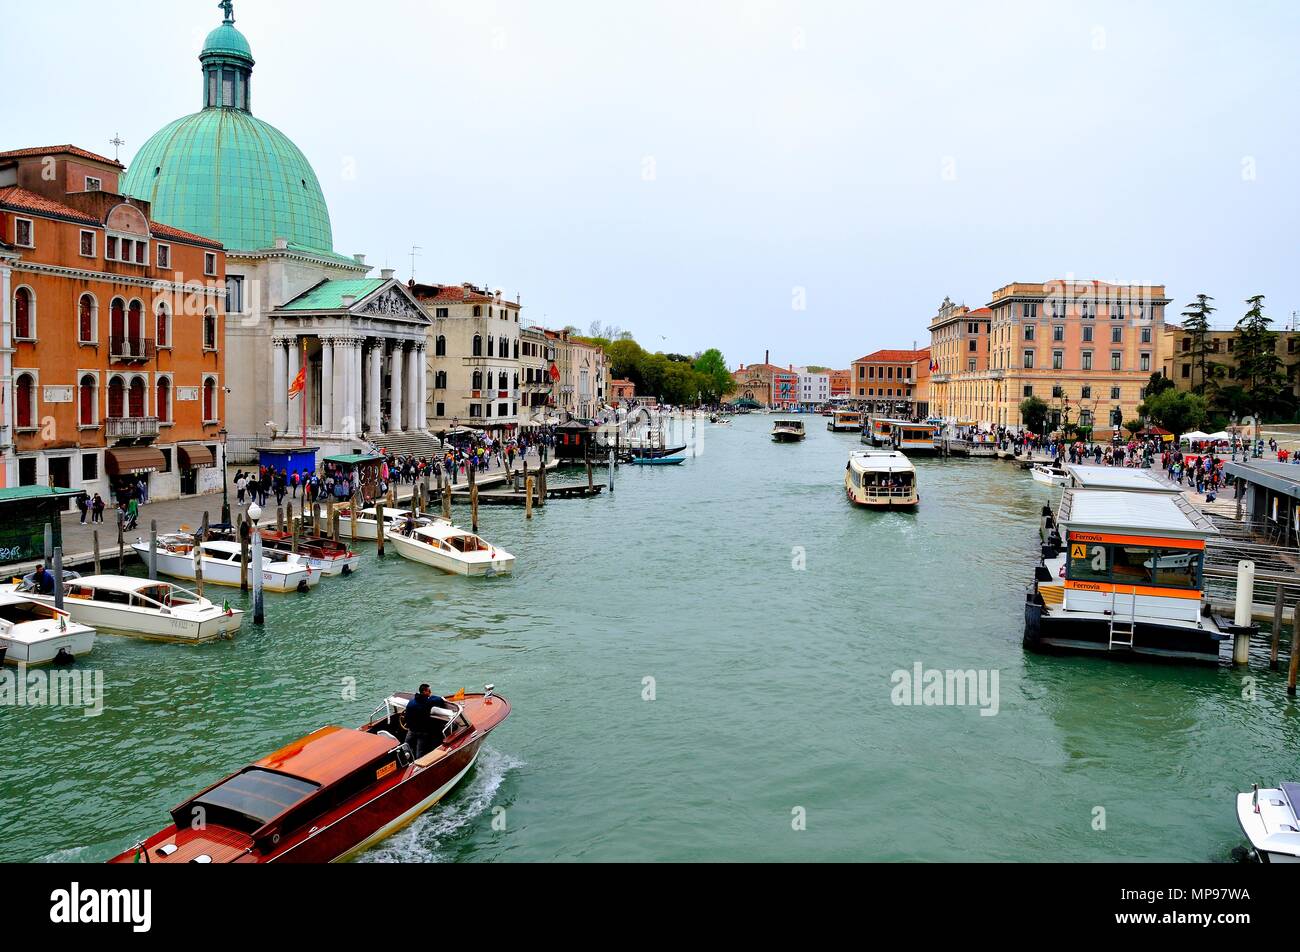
(349, 300)
(767, 356)
(360, 259)
(387, 274)
(281, 244)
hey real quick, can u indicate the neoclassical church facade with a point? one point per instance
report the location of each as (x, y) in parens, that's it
(292, 301)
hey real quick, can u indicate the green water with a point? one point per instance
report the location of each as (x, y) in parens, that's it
(772, 688)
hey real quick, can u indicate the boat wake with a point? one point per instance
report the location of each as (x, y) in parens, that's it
(427, 839)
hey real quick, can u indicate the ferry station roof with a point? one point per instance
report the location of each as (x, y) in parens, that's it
(1135, 513)
(1282, 478)
(1119, 478)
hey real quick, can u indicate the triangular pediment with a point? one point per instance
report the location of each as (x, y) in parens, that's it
(392, 302)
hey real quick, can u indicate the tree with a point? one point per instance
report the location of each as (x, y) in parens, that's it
(713, 366)
(1196, 321)
(1158, 384)
(1033, 411)
(1177, 412)
(1133, 426)
(1259, 368)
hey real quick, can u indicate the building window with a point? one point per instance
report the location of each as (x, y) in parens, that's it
(87, 312)
(440, 347)
(116, 399)
(164, 253)
(503, 409)
(503, 382)
(440, 381)
(163, 334)
(516, 350)
(491, 342)
(1058, 332)
(1029, 360)
(970, 365)
(1117, 335)
(1030, 312)
(477, 381)
(1028, 391)
(209, 400)
(25, 398)
(234, 294)
(1087, 334)
(478, 310)
(1117, 312)
(164, 400)
(1145, 364)
(24, 233)
(1087, 359)
(1114, 393)
(1029, 332)
(1116, 360)
(87, 393)
(440, 409)
(210, 264)
(136, 399)
(110, 248)
(209, 332)
(93, 184)
(1058, 360)
(1058, 392)
(87, 244)
(89, 467)
(1086, 394)
(478, 346)
(142, 252)
(1187, 371)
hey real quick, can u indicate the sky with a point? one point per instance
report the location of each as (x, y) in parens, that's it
(806, 178)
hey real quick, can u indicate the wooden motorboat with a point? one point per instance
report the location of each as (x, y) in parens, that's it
(33, 633)
(880, 479)
(368, 521)
(1271, 821)
(1049, 475)
(281, 571)
(138, 607)
(788, 431)
(329, 796)
(323, 554)
(452, 550)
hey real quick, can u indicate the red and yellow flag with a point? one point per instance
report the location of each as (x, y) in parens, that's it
(460, 696)
(299, 384)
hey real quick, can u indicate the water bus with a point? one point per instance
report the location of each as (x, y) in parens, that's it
(845, 421)
(880, 479)
(1122, 574)
(788, 431)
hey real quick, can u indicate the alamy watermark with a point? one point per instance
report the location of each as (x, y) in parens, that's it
(920, 687)
(79, 688)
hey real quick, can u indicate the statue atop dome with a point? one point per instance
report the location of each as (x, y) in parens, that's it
(229, 7)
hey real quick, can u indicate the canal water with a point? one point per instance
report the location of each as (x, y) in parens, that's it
(702, 667)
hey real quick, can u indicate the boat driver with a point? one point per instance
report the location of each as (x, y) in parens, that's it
(419, 723)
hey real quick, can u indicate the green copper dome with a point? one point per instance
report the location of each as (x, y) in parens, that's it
(224, 174)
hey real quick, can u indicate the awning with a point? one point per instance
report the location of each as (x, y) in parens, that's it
(196, 457)
(134, 461)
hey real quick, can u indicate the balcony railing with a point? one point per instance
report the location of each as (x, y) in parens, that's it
(133, 428)
(131, 350)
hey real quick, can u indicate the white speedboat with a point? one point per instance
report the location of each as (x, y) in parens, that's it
(33, 633)
(281, 571)
(368, 522)
(451, 549)
(1271, 821)
(1048, 475)
(141, 608)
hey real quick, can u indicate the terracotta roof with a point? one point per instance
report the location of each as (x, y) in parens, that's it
(60, 150)
(893, 357)
(982, 312)
(22, 200)
(456, 294)
(167, 231)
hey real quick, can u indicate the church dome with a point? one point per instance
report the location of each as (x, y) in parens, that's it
(227, 175)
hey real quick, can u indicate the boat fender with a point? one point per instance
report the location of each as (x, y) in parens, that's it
(63, 657)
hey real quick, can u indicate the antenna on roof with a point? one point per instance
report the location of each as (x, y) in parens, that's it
(117, 142)
(415, 253)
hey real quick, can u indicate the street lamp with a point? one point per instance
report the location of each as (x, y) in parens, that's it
(225, 479)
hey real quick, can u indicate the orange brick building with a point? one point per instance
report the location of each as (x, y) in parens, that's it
(886, 382)
(113, 334)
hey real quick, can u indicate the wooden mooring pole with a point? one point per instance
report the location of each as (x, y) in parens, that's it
(1295, 650)
(95, 538)
(528, 497)
(1277, 627)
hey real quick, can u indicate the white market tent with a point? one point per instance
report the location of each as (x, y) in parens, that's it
(1223, 436)
(1194, 436)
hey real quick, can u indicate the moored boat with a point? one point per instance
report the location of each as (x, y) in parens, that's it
(33, 633)
(881, 479)
(329, 796)
(452, 550)
(368, 521)
(788, 431)
(1122, 575)
(1049, 475)
(1271, 821)
(845, 421)
(324, 555)
(281, 572)
(139, 607)
(658, 461)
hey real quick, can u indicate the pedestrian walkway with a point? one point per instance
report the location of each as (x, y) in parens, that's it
(174, 514)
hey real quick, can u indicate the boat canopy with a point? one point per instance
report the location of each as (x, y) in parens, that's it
(1133, 513)
(1118, 478)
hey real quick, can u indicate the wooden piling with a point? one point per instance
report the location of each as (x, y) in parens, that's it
(58, 578)
(279, 519)
(334, 523)
(288, 516)
(243, 552)
(591, 478)
(473, 506)
(541, 486)
(380, 519)
(198, 556)
(95, 537)
(528, 498)
(315, 520)
(153, 550)
(352, 512)
(121, 547)
(1277, 627)
(1295, 650)
(259, 601)
(295, 527)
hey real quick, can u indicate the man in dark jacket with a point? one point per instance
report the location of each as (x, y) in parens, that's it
(420, 726)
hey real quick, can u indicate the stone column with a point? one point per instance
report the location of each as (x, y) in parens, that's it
(293, 424)
(279, 385)
(374, 381)
(397, 393)
(327, 384)
(421, 389)
(356, 373)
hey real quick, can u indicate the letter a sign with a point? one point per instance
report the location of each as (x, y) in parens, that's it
(1078, 551)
